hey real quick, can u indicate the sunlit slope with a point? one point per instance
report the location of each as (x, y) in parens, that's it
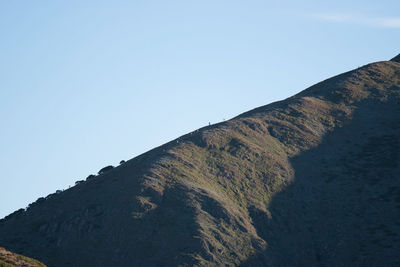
(313, 179)
(9, 259)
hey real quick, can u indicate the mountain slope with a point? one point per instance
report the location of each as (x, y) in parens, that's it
(396, 58)
(9, 259)
(310, 180)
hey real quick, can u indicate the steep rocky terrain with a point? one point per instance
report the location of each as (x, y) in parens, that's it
(311, 180)
(9, 259)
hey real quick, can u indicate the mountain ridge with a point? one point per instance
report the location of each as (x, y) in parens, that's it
(240, 192)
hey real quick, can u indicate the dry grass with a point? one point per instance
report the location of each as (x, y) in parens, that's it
(9, 259)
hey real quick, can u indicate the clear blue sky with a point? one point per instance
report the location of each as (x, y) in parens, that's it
(85, 84)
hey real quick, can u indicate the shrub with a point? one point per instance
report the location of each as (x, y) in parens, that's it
(106, 169)
(90, 177)
(15, 213)
(50, 196)
(40, 200)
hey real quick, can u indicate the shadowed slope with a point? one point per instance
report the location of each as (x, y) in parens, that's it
(396, 58)
(289, 183)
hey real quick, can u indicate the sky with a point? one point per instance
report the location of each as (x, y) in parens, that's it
(85, 84)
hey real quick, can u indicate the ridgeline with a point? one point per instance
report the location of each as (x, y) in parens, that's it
(311, 180)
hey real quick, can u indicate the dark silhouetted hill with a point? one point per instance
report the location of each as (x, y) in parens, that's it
(396, 58)
(311, 180)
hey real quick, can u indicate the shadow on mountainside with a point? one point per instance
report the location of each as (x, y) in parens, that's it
(343, 208)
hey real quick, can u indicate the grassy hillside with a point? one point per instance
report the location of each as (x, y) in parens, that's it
(9, 259)
(310, 180)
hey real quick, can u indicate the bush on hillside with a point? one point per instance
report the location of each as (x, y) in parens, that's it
(90, 177)
(106, 169)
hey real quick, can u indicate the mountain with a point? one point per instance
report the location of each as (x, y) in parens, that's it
(9, 259)
(307, 181)
(396, 59)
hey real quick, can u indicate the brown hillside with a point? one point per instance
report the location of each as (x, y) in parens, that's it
(311, 180)
(9, 259)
